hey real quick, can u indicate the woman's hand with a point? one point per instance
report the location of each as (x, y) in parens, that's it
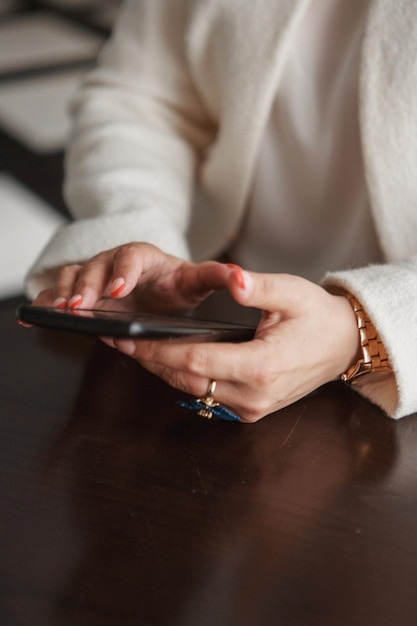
(306, 337)
(136, 276)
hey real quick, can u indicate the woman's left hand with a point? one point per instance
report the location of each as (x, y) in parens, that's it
(306, 337)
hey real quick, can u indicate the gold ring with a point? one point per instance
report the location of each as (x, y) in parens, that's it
(207, 405)
(211, 389)
(208, 401)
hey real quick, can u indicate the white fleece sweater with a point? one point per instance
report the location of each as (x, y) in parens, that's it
(308, 210)
(182, 94)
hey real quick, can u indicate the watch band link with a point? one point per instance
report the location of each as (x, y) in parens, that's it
(374, 357)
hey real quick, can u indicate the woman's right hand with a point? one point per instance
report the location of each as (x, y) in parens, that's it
(135, 276)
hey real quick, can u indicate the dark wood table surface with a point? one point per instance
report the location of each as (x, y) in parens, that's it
(120, 507)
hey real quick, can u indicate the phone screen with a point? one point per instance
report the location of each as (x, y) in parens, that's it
(134, 325)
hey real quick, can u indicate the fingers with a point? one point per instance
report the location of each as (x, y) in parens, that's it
(170, 283)
(72, 288)
(130, 262)
(44, 298)
(291, 355)
(228, 361)
(295, 349)
(200, 279)
(270, 292)
(79, 286)
(244, 372)
(241, 400)
(113, 273)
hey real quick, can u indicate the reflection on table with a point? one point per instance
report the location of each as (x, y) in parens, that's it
(120, 507)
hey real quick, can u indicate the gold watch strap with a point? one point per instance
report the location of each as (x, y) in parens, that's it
(374, 357)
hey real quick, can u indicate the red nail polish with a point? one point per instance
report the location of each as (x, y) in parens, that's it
(233, 266)
(117, 287)
(116, 292)
(60, 303)
(75, 302)
(240, 279)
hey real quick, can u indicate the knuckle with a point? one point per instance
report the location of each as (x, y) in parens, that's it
(256, 408)
(68, 271)
(250, 418)
(127, 248)
(88, 266)
(133, 248)
(174, 379)
(65, 280)
(266, 375)
(126, 253)
(197, 360)
(88, 273)
(147, 353)
(180, 381)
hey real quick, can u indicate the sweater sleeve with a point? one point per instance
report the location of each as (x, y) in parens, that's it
(388, 293)
(139, 129)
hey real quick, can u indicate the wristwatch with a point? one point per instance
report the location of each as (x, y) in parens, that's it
(374, 358)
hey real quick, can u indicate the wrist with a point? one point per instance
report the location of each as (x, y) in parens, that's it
(348, 347)
(371, 356)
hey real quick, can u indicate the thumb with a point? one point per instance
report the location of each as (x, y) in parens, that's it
(269, 292)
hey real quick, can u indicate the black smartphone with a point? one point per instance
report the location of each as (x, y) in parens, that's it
(133, 325)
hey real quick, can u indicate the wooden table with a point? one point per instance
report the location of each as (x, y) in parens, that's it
(120, 507)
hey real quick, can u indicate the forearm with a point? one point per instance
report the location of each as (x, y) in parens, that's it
(139, 125)
(135, 147)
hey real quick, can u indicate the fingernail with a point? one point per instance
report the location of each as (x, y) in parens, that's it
(243, 279)
(60, 303)
(24, 324)
(75, 301)
(127, 347)
(240, 278)
(117, 287)
(109, 341)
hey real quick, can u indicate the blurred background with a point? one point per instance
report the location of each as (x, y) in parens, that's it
(45, 48)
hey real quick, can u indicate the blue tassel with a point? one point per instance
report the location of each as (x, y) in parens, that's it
(208, 411)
